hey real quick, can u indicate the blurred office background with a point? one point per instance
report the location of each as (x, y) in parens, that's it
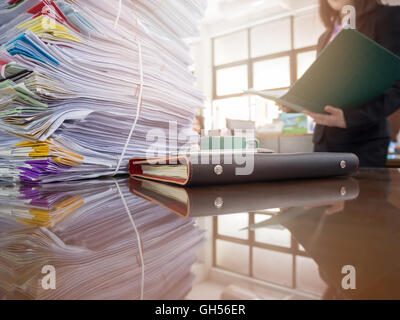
(261, 44)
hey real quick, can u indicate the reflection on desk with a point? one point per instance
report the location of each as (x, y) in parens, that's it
(217, 200)
(299, 252)
(116, 238)
(109, 245)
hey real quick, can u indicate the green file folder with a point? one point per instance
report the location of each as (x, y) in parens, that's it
(351, 71)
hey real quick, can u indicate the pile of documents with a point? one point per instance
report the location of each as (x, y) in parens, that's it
(98, 247)
(85, 85)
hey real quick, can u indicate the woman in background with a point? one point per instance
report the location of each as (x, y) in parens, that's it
(364, 131)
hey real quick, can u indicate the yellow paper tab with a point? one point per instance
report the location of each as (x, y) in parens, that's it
(43, 25)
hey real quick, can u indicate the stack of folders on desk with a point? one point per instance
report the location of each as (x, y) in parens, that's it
(99, 250)
(83, 82)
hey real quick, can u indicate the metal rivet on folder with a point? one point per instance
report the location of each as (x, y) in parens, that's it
(218, 170)
(343, 191)
(219, 202)
(343, 164)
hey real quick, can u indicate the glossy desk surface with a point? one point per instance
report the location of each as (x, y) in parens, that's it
(119, 239)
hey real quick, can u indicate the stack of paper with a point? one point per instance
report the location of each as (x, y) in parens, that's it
(87, 84)
(99, 249)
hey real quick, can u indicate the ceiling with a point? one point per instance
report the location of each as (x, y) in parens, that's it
(229, 10)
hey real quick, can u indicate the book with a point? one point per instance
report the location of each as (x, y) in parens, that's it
(204, 201)
(351, 71)
(241, 167)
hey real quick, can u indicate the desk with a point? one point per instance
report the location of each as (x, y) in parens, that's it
(393, 163)
(302, 235)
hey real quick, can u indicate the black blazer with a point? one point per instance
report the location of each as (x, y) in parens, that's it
(368, 122)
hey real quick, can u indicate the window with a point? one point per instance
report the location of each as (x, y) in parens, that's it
(231, 80)
(275, 235)
(307, 29)
(227, 257)
(232, 225)
(265, 42)
(230, 108)
(230, 48)
(265, 57)
(273, 255)
(264, 111)
(272, 74)
(273, 266)
(304, 61)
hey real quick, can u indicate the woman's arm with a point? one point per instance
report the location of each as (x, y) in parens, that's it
(388, 35)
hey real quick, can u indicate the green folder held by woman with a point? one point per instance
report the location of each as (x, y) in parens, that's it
(348, 73)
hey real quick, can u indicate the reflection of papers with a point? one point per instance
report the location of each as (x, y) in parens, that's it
(95, 249)
(77, 79)
(42, 217)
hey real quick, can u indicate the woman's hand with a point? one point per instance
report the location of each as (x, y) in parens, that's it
(335, 118)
